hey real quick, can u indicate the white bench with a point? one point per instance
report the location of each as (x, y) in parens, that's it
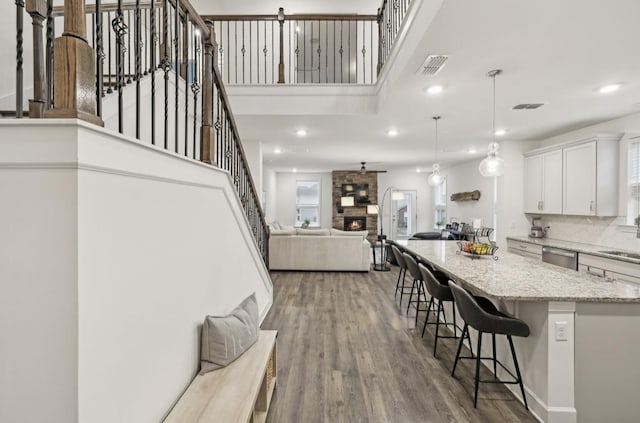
(238, 393)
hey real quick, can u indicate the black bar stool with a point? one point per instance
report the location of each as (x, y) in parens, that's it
(483, 316)
(442, 293)
(412, 265)
(403, 272)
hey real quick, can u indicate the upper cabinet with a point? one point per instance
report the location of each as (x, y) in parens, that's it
(579, 182)
(543, 190)
(578, 178)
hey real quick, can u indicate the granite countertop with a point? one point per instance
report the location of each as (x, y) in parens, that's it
(577, 246)
(513, 277)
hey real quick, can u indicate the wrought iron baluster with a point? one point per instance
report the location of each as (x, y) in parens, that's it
(138, 58)
(19, 59)
(110, 88)
(341, 51)
(176, 58)
(120, 30)
(195, 89)
(364, 52)
(152, 58)
(185, 55)
(265, 50)
(326, 52)
(99, 59)
(49, 54)
(128, 48)
(165, 64)
(145, 42)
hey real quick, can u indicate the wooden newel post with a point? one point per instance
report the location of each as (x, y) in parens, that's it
(208, 131)
(281, 64)
(38, 11)
(74, 72)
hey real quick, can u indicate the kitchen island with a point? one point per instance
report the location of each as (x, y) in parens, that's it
(581, 362)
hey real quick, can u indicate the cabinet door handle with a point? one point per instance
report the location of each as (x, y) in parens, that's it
(591, 205)
(541, 205)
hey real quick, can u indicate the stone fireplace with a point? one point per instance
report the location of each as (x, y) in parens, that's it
(343, 216)
(355, 223)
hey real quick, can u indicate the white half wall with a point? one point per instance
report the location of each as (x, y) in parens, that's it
(114, 253)
(286, 196)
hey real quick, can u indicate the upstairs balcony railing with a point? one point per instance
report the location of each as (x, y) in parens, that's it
(307, 49)
(144, 69)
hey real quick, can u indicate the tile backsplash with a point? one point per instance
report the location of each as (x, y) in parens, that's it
(605, 231)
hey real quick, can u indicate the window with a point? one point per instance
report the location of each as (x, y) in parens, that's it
(308, 202)
(633, 183)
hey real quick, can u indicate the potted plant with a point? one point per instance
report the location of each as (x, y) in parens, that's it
(305, 224)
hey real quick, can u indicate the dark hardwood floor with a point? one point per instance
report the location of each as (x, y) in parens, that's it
(347, 353)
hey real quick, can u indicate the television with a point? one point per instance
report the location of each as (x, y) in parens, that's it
(359, 192)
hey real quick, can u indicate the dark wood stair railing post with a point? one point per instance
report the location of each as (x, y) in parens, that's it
(38, 11)
(74, 69)
(281, 63)
(208, 131)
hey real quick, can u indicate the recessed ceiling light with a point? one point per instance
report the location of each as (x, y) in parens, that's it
(277, 150)
(417, 170)
(392, 132)
(471, 150)
(435, 89)
(301, 132)
(500, 132)
(295, 169)
(609, 88)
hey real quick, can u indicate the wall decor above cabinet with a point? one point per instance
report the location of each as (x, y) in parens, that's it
(578, 178)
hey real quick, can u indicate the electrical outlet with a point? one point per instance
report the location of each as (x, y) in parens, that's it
(561, 331)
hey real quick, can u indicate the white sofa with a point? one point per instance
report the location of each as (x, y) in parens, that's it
(319, 249)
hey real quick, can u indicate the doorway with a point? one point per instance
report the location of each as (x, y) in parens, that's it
(404, 215)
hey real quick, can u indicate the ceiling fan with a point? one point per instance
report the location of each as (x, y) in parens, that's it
(363, 169)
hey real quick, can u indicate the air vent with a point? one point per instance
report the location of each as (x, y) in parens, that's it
(432, 65)
(527, 106)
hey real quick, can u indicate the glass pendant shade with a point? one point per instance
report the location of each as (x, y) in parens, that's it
(435, 178)
(492, 165)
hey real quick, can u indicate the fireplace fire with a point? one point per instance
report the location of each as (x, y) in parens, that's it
(355, 223)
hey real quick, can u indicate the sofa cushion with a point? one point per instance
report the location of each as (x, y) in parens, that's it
(338, 232)
(227, 337)
(317, 232)
(278, 232)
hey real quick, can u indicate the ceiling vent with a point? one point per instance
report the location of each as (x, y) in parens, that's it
(432, 65)
(527, 106)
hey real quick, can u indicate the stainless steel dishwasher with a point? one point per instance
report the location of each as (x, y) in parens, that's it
(560, 257)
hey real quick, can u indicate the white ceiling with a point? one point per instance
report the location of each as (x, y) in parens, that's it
(553, 52)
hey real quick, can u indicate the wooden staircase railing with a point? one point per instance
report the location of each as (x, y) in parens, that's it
(109, 49)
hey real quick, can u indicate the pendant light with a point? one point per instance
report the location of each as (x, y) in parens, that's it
(435, 178)
(492, 165)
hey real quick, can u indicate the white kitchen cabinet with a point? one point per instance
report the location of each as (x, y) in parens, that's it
(543, 190)
(579, 183)
(609, 269)
(577, 178)
(524, 249)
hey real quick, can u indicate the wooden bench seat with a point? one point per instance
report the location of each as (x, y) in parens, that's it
(238, 393)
